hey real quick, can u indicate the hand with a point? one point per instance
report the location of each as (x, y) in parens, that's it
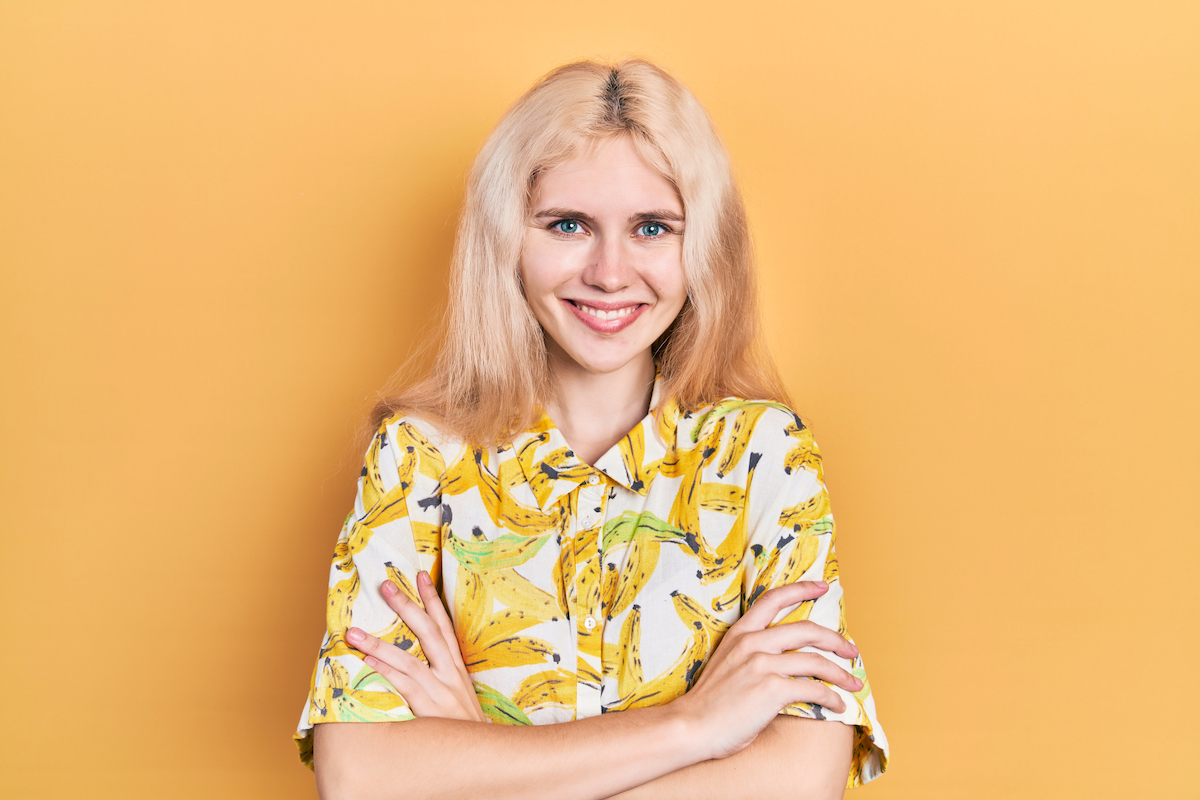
(750, 677)
(442, 688)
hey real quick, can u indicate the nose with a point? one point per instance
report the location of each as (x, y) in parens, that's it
(608, 267)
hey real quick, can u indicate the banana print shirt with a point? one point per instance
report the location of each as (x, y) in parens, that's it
(578, 590)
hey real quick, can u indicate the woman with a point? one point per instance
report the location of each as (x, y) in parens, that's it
(603, 484)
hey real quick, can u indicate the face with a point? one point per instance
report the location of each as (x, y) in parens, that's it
(602, 260)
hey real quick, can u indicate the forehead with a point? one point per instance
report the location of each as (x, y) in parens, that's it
(608, 172)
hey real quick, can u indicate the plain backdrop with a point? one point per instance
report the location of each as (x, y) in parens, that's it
(223, 225)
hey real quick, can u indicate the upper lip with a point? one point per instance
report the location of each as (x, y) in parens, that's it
(603, 305)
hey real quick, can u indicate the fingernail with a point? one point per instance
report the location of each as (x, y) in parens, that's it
(354, 635)
(859, 683)
(823, 584)
(389, 587)
(424, 578)
(370, 661)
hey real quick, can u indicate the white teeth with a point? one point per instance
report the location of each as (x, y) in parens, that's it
(606, 315)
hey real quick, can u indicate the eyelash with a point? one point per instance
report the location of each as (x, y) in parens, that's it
(663, 228)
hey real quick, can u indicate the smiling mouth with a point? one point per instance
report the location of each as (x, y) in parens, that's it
(605, 320)
(606, 314)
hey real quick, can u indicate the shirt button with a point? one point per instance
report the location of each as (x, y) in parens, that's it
(593, 479)
(589, 623)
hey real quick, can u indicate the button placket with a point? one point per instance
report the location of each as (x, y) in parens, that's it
(586, 545)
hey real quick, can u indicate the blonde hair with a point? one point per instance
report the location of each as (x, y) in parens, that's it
(492, 373)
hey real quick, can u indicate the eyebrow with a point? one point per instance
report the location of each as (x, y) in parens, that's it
(642, 216)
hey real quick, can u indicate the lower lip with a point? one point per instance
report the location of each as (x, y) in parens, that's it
(605, 325)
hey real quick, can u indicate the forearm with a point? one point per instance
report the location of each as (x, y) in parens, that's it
(798, 759)
(432, 758)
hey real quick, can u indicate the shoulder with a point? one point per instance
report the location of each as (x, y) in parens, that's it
(738, 431)
(764, 420)
(405, 436)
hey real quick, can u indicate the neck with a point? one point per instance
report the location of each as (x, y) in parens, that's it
(594, 412)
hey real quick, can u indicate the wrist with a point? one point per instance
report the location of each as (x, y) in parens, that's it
(686, 724)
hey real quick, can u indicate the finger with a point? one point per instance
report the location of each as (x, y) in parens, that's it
(437, 612)
(813, 665)
(801, 690)
(422, 690)
(421, 624)
(768, 606)
(806, 633)
(388, 653)
(414, 694)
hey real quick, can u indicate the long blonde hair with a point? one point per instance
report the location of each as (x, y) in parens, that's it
(492, 373)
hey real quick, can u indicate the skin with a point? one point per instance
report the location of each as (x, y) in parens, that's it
(605, 233)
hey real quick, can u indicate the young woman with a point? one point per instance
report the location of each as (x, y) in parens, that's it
(598, 501)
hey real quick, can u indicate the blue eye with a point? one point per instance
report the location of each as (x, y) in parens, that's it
(651, 230)
(566, 226)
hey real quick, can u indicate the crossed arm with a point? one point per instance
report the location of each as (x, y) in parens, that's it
(724, 738)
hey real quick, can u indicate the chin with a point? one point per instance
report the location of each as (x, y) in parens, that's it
(604, 364)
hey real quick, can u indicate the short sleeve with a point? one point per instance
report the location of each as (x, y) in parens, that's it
(792, 539)
(392, 533)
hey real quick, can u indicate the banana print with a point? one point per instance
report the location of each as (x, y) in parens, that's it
(505, 552)
(499, 707)
(629, 673)
(338, 614)
(547, 689)
(577, 589)
(679, 677)
(640, 563)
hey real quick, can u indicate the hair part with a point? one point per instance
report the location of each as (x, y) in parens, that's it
(492, 375)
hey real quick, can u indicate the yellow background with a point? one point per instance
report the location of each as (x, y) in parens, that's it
(224, 224)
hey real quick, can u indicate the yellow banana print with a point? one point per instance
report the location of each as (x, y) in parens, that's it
(609, 591)
(722, 498)
(806, 515)
(730, 598)
(675, 680)
(561, 577)
(800, 560)
(633, 457)
(831, 566)
(503, 624)
(355, 541)
(560, 584)
(544, 689)
(640, 563)
(513, 651)
(629, 672)
(338, 614)
(370, 484)
(470, 472)
(398, 633)
(516, 591)
(410, 440)
(472, 603)
(401, 580)
(739, 438)
(693, 614)
(803, 453)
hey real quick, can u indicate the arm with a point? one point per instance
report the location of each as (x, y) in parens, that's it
(431, 757)
(650, 751)
(740, 693)
(817, 754)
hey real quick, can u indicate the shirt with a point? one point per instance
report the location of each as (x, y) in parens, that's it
(578, 590)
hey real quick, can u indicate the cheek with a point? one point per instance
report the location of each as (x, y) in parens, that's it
(669, 283)
(542, 269)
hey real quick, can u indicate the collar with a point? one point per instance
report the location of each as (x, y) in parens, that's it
(552, 469)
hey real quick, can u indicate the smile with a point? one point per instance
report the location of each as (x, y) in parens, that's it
(605, 320)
